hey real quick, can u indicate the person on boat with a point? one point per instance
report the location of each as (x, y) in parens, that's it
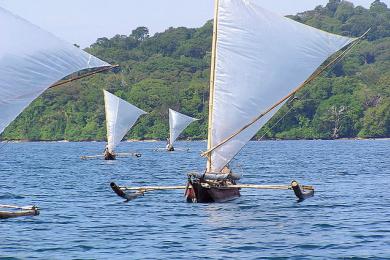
(226, 169)
(108, 155)
(169, 147)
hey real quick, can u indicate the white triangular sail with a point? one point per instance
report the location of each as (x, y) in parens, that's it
(260, 58)
(177, 123)
(120, 117)
(31, 60)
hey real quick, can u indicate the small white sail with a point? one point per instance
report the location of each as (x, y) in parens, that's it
(120, 117)
(177, 123)
(260, 58)
(31, 60)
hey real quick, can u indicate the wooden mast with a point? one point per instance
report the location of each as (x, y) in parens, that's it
(212, 82)
(105, 114)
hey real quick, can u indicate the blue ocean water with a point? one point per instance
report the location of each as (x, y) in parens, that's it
(81, 218)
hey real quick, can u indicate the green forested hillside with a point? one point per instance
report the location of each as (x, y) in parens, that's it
(171, 69)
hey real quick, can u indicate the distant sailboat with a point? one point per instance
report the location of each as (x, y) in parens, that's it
(120, 117)
(177, 123)
(259, 61)
(31, 61)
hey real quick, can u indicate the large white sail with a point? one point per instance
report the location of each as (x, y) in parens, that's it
(260, 58)
(31, 60)
(177, 123)
(120, 117)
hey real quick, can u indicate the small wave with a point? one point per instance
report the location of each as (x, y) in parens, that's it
(324, 226)
(10, 196)
(308, 246)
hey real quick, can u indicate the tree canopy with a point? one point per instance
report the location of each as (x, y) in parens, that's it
(171, 70)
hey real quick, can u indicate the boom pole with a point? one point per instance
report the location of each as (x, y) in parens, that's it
(60, 83)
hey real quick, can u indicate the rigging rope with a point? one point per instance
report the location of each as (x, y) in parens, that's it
(302, 97)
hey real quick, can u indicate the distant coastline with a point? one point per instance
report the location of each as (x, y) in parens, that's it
(187, 140)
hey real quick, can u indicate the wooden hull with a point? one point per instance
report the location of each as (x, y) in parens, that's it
(109, 156)
(197, 193)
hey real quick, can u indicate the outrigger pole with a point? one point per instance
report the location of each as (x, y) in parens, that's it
(301, 191)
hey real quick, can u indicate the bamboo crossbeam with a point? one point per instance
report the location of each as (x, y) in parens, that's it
(160, 149)
(242, 186)
(91, 156)
(269, 187)
(126, 154)
(150, 188)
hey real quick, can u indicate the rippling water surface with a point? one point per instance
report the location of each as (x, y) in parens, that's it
(349, 217)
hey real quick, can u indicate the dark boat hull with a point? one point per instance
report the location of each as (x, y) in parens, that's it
(197, 193)
(109, 156)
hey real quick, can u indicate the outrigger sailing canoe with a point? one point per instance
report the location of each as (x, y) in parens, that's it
(259, 61)
(177, 123)
(31, 61)
(120, 117)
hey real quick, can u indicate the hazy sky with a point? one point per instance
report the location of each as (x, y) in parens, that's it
(83, 21)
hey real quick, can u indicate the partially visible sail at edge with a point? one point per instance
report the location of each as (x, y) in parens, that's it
(177, 123)
(31, 60)
(120, 117)
(260, 58)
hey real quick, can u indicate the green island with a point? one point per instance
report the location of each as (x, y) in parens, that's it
(171, 70)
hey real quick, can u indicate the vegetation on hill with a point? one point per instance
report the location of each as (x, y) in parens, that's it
(171, 70)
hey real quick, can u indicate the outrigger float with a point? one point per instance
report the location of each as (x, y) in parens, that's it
(259, 61)
(16, 211)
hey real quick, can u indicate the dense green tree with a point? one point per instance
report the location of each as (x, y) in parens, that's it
(171, 70)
